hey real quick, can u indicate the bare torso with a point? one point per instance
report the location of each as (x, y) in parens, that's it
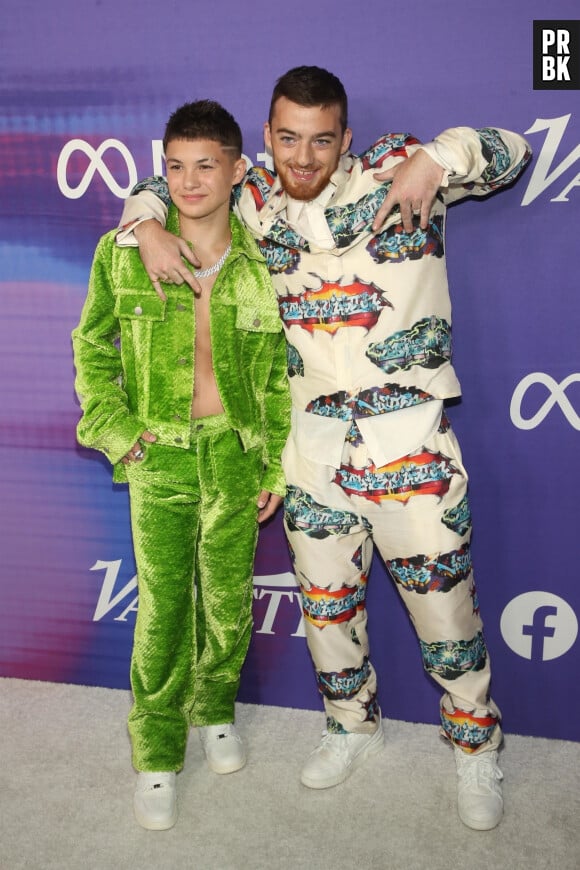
(206, 397)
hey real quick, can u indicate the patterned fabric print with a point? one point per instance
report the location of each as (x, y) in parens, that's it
(427, 343)
(394, 245)
(282, 234)
(295, 361)
(422, 473)
(346, 222)
(439, 573)
(474, 599)
(259, 181)
(357, 558)
(333, 306)
(306, 515)
(279, 258)
(391, 145)
(450, 659)
(354, 637)
(373, 713)
(333, 726)
(322, 607)
(353, 436)
(344, 684)
(367, 403)
(466, 730)
(497, 154)
(372, 708)
(458, 518)
(444, 425)
(157, 185)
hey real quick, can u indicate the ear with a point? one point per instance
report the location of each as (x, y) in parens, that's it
(267, 135)
(346, 140)
(240, 169)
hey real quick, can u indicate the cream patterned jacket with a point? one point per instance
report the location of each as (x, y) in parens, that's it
(367, 315)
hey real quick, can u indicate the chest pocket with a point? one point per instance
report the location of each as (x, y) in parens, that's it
(139, 306)
(253, 320)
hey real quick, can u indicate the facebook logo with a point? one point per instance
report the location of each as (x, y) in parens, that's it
(539, 626)
(556, 55)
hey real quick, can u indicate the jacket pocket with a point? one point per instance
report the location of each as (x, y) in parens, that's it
(139, 306)
(254, 320)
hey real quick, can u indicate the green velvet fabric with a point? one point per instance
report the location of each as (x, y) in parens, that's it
(193, 514)
(135, 362)
(194, 496)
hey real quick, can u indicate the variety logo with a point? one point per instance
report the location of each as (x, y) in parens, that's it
(279, 593)
(556, 396)
(542, 177)
(539, 626)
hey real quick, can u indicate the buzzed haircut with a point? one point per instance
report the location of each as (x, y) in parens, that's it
(311, 86)
(204, 119)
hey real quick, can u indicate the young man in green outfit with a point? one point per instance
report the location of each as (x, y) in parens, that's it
(187, 396)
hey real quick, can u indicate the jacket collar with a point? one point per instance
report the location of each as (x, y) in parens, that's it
(242, 241)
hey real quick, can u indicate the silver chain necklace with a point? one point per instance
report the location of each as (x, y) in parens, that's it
(205, 273)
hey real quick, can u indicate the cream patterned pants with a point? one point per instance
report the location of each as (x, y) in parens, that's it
(416, 513)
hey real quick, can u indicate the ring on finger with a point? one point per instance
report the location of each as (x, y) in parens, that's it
(138, 454)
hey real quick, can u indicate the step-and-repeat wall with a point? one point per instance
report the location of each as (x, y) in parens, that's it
(86, 92)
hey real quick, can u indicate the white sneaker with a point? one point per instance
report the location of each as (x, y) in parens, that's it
(337, 755)
(223, 748)
(479, 798)
(155, 800)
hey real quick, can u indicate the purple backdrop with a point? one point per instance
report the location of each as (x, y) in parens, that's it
(86, 92)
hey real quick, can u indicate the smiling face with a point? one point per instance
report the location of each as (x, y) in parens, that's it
(200, 176)
(307, 143)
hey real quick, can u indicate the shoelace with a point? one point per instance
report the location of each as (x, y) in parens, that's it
(333, 743)
(481, 773)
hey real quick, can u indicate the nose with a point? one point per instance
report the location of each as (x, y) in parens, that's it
(191, 179)
(304, 153)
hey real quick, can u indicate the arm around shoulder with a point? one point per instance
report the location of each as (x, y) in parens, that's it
(149, 200)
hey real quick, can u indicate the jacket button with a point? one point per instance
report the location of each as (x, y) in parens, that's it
(257, 321)
(177, 416)
(180, 307)
(138, 310)
(182, 361)
(178, 440)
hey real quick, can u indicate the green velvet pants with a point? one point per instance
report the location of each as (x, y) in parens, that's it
(194, 525)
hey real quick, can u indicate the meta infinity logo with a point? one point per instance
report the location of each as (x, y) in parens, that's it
(96, 164)
(556, 396)
(539, 626)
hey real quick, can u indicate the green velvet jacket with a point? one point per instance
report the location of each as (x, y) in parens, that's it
(134, 355)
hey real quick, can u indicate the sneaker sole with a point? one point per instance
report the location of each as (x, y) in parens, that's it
(223, 769)
(481, 824)
(374, 746)
(159, 825)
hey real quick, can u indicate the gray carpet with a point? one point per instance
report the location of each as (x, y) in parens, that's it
(66, 788)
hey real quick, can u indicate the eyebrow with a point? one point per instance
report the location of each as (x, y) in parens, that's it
(201, 160)
(329, 134)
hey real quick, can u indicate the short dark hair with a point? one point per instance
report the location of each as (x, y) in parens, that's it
(204, 119)
(311, 86)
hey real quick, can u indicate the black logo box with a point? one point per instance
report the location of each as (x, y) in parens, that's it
(548, 79)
